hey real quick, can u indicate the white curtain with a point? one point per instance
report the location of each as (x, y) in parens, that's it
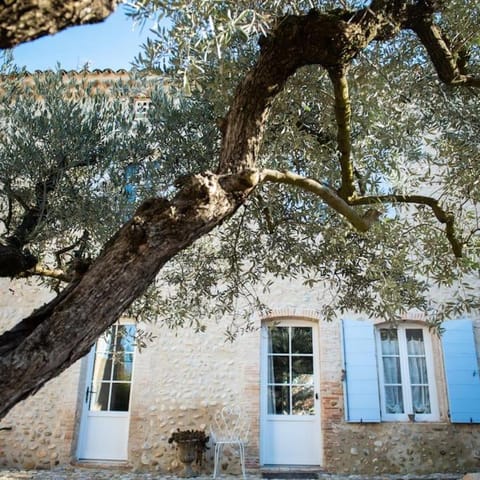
(271, 376)
(417, 365)
(392, 375)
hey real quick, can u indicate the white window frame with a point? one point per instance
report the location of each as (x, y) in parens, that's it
(408, 415)
(141, 107)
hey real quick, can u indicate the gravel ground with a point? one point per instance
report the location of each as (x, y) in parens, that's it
(83, 473)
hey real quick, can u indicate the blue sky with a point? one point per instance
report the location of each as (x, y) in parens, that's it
(110, 44)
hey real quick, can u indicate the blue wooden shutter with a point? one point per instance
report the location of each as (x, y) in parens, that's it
(361, 377)
(461, 368)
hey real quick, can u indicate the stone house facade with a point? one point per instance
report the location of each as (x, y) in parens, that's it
(348, 396)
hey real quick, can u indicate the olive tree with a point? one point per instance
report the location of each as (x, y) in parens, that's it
(336, 144)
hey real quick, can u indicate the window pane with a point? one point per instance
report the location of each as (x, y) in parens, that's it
(122, 367)
(279, 371)
(303, 402)
(279, 400)
(278, 340)
(421, 400)
(105, 341)
(391, 370)
(125, 338)
(418, 370)
(389, 341)
(102, 369)
(99, 394)
(415, 345)
(302, 340)
(120, 397)
(394, 400)
(302, 370)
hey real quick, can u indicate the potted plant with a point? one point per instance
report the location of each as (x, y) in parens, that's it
(191, 444)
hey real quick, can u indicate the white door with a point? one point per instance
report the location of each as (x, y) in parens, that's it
(290, 417)
(105, 416)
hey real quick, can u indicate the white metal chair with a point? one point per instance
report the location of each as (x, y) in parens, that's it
(230, 428)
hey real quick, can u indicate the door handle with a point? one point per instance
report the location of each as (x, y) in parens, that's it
(88, 394)
(316, 396)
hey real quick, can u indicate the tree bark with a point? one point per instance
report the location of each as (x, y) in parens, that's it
(24, 20)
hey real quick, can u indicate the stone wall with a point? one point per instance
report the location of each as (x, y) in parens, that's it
(180, 382)
(183, 378)
(42, 431)
(419, 448)
(394, 447)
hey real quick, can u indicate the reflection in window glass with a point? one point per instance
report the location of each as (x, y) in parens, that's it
(303, 402)
(302, 340)
(279, 400)
(415, 345)
(123, 367)
(112, 370)
(290, 371)
(417, 368)
(99, 397)
(391, 370)
(394, 399)
(103, 366)
(392, 374)
(105, 342)
(278, 340)
(302, 370)
(421, 399)
(120, 397)
(125, 338)
(280, 371)
(389, 341)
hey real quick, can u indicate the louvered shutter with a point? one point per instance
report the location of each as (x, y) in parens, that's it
(461, 368)
(361, 376)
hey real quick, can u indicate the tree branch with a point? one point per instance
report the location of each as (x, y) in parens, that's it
(322, 137)
(81, 243)
(361, 222)
(34, 214)
(343, 116)
(12, 338)
(446, 218)
(331, 41)
(24, 20)
(450, 67)
(42, 271)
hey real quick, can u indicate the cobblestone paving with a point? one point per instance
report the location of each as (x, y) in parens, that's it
(98, 474)
(77, 473)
